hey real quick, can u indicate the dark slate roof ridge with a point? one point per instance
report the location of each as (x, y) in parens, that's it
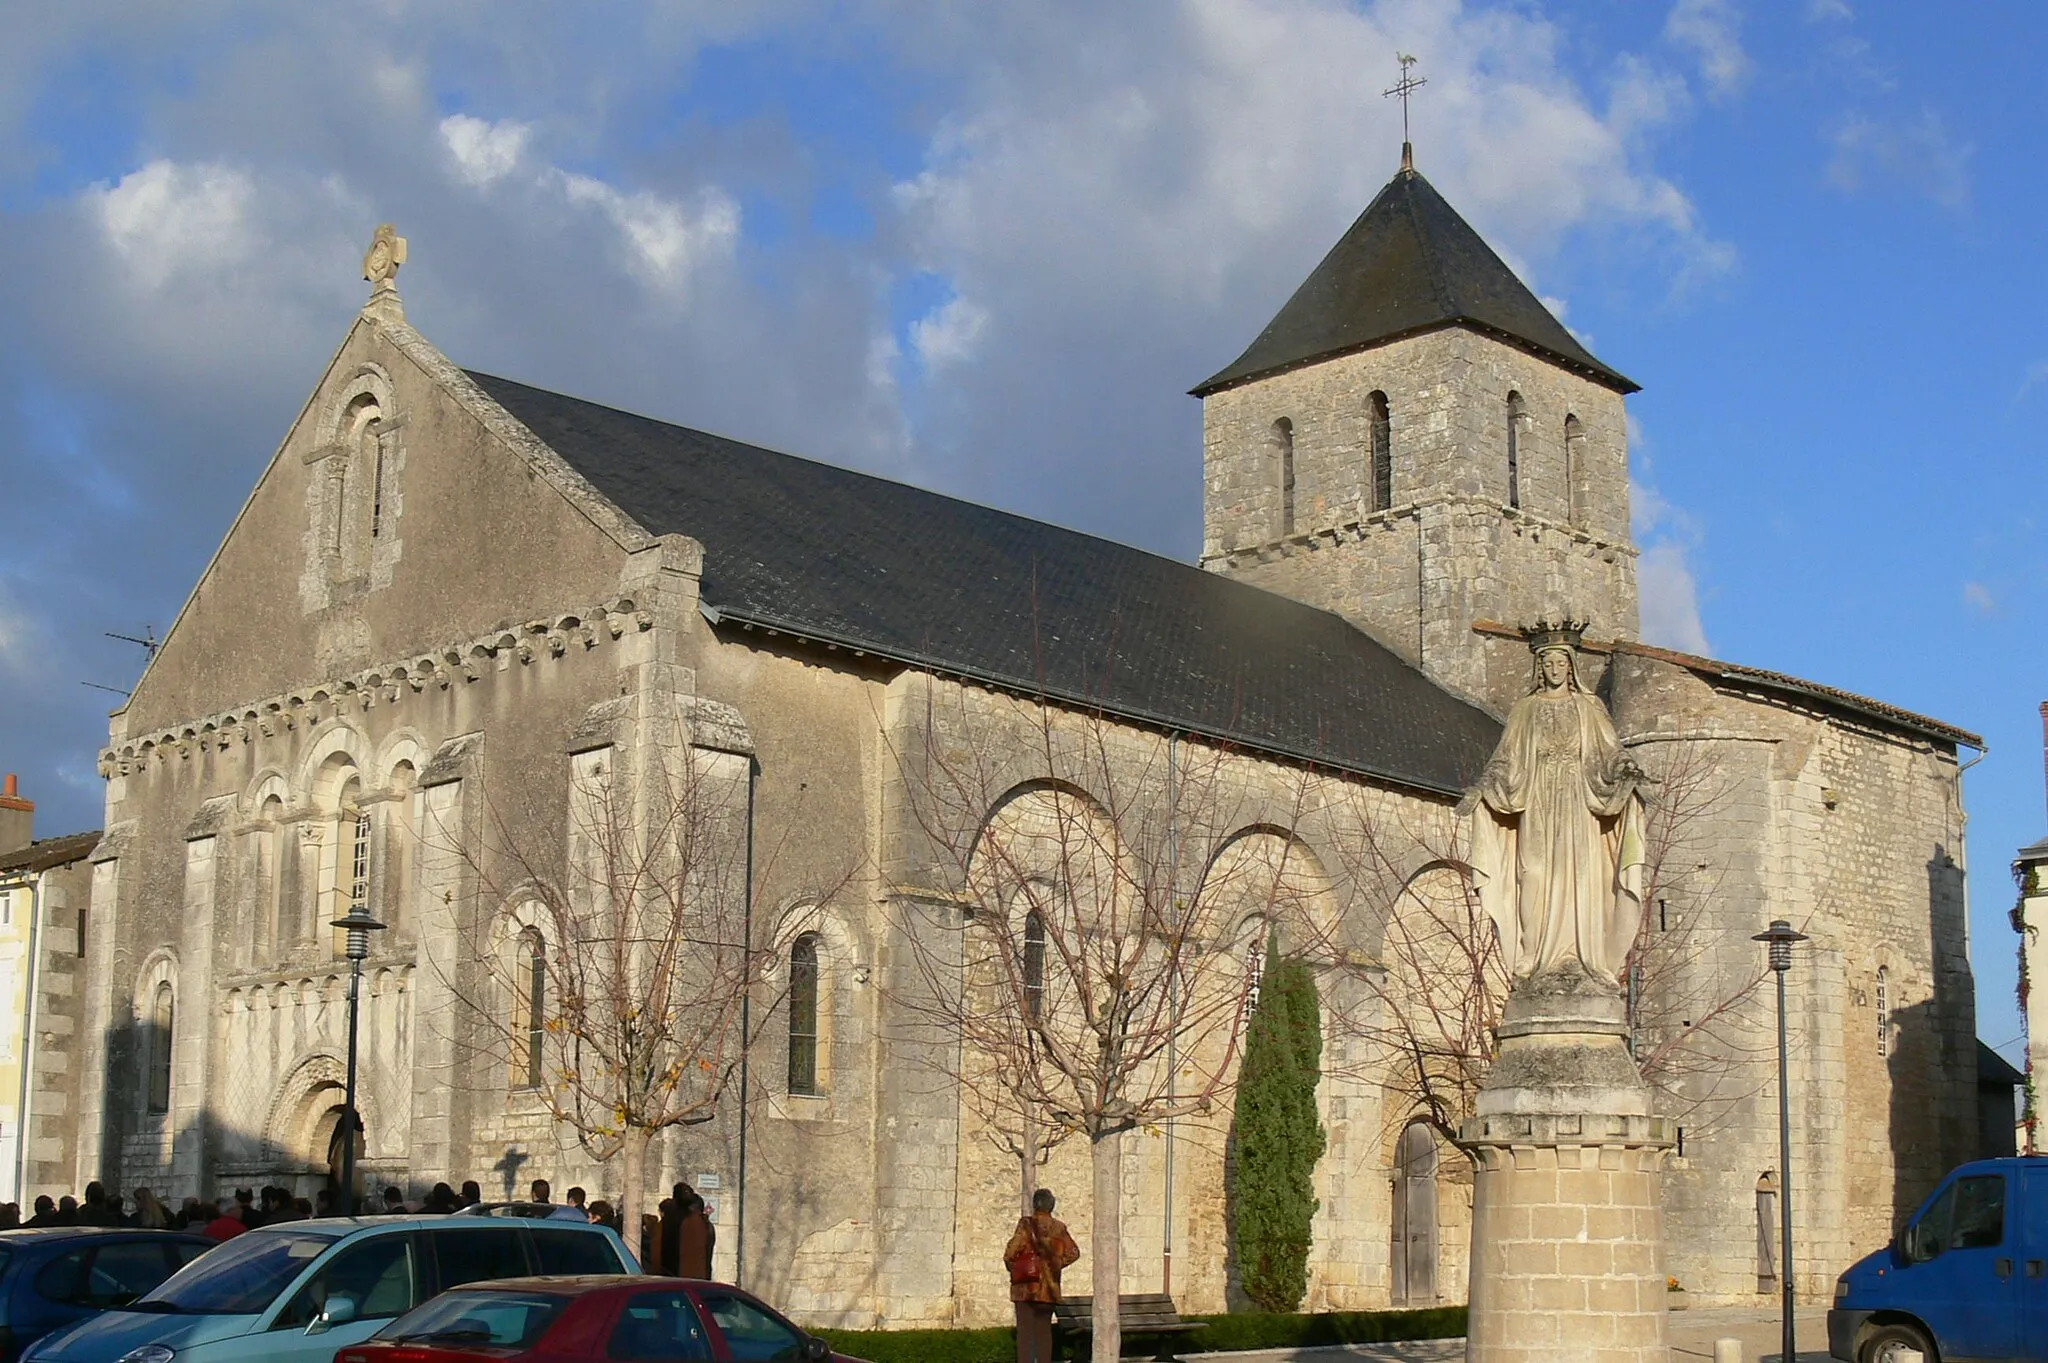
(1312, 326)
(784, 549)
(47, 854)
(1993, 1068)
(1885, 712)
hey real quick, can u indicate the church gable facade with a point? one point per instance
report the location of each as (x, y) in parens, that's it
(455, 602)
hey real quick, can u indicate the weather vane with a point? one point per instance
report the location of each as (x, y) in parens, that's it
(1406, 86)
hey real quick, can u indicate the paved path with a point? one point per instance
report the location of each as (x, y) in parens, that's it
(1692, 1339)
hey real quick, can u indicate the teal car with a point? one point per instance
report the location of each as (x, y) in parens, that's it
(301, 1290)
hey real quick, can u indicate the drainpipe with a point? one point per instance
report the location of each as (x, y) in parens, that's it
(739, 1252)
(1172, 1009)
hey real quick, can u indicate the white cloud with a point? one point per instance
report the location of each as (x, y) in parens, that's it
(2036, 375)
(14, 635)
(484, 152)
(1670, 600)
(1822, 11)
(1978, 596)
(948, 333)
(1666, 587)
(667, 240)
(1712, 31)
(1918, 152)
(167, 219)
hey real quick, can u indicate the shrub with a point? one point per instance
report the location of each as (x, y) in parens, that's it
(1260, 1330)
(1276, 1136)
(925, 1346)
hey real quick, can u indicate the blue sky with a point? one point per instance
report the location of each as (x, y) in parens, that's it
(987, 248)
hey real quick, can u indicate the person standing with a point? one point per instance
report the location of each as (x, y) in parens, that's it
(150, 1214)
(228, 1224)
(572, 1209)
(696, 1238)
(670, 1252)
(1039, 1251)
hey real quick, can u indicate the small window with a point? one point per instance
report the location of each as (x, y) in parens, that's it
(1283, 454)
(377, 1275)
(803, 1015)
(1574, 467)
(488, 1318)
(466, 1255)
(162, 1014)
(1884, 1012)
(1969, 1214)
(753, 1332)
(63, 1278)
(1382, 453)
(1516, 412)
(122, 1272)
(1034, 966)
(656, 1327)
(533, 959)
(564, 1249)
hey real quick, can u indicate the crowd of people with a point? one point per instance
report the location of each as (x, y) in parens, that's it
(676, 1240)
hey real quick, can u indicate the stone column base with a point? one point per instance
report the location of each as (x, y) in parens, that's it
(1567, 1238)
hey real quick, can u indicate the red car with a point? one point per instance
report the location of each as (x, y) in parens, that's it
(614, 1319)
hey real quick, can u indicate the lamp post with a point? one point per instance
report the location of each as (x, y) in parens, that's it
(359, 925)
(1780, 939)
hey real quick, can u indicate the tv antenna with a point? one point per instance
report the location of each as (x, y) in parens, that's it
(148, 643)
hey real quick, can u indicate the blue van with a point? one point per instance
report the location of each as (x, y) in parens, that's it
(1965, 1282)
(297, 1291)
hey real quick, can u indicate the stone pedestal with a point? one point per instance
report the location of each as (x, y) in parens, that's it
(1567, 1219)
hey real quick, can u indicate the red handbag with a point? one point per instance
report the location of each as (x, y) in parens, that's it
(1027, 1268)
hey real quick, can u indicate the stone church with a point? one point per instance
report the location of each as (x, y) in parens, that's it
(448, 592)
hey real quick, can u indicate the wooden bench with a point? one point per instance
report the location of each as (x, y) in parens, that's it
(1150, 1315)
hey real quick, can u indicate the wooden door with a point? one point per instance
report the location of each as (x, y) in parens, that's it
(1414, 1258)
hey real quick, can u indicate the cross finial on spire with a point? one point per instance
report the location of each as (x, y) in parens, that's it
(380, 267)
(1406, 86)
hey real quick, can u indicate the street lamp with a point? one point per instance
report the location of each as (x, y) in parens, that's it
(1780, 939)
(359, 925)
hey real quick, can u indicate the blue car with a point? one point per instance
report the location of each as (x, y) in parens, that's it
(1966, 1280)
(298, 1291)
(55, 1275)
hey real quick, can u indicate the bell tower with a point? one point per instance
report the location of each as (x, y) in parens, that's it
(1415, 443)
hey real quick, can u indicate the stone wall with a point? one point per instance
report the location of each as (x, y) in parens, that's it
(1852, 831)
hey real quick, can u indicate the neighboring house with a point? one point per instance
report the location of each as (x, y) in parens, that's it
(45, 890)
(452, 601)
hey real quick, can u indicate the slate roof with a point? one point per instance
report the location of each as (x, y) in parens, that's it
(1891, 716)
(1409, 264)
(48, 854)
(1995, 1071)
(901, 573)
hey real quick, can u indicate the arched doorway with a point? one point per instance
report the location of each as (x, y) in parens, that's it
(1414, 1266)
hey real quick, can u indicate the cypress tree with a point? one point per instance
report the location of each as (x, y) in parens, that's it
(1277, 1135)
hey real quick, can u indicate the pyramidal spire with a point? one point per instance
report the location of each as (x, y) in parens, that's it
(1409, 264)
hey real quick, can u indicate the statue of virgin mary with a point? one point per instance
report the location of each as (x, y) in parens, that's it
(1556, 826)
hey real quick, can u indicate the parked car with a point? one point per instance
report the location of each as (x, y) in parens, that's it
(1966, 1279)
(297, 1290)
(637, 1320)
(54, 1275)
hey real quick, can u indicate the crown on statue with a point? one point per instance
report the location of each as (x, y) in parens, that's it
(1547, 634)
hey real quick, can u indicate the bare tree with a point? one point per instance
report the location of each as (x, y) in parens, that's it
(631, 968)
(1103, 890)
